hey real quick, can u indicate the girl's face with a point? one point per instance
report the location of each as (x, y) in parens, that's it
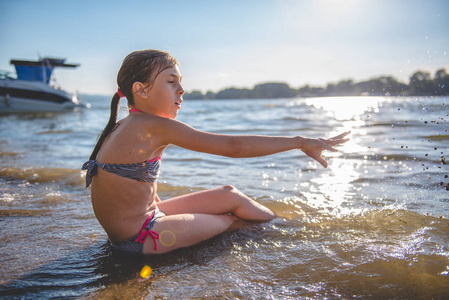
(164, 96)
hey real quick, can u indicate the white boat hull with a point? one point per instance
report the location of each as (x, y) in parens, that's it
(25, 96)
(13, 105)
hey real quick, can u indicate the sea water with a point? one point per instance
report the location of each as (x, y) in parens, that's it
(372, 225)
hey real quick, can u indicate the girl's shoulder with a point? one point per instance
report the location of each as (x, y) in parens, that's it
(151, 125)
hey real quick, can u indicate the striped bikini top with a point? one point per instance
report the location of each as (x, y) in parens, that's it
(147, 171)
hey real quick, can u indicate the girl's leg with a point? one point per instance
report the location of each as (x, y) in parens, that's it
(218, 201)
(184, 230)
(199, 216)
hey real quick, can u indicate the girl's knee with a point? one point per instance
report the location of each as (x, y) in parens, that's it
(232, 190)
(232, 194)
(229, 188)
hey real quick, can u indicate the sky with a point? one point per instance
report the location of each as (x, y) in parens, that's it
(233, 43)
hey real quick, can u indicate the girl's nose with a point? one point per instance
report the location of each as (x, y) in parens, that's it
(181, 90)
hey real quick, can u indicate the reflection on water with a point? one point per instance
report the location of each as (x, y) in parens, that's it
(335, 189)
(347, 108)
(372, 225)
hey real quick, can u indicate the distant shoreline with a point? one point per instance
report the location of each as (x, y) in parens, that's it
(421, 84)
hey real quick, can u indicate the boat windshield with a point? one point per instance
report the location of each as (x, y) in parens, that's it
(6, 75)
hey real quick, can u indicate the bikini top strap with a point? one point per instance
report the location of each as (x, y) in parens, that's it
(91, 166)
(134, 110)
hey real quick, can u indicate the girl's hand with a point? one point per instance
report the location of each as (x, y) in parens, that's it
(314, 147)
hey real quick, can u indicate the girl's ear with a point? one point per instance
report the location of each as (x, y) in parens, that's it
(138, 88)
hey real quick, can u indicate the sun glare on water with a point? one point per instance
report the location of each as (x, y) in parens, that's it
(333, 188)
(349, 112)
(346, 108)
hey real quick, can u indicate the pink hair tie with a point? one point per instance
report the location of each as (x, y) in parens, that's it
(119, 92)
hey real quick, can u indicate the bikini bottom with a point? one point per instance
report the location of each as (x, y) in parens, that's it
(135, 243)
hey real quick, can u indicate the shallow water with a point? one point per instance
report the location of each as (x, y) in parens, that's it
(372, 225)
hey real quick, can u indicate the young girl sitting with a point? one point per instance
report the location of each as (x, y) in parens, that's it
(125, 163)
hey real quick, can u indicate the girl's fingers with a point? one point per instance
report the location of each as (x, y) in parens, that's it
(321, 160)
(344, 134)
(341, 136)
(340, 141)
(334, 141)
(323, 163)
(328, 145)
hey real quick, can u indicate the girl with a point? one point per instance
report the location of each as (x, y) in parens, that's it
(124, 165)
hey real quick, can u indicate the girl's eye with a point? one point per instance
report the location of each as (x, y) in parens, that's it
(171, 82)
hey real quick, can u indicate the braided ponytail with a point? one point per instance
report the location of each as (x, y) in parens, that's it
(112, 123)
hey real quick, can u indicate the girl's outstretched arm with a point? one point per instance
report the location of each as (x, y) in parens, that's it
(182, 135)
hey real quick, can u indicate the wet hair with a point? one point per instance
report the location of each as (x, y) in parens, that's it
(139, 66)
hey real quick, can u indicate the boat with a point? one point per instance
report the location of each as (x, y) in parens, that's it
(31, 91)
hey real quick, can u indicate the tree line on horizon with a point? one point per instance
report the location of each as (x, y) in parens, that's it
(421, 83)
